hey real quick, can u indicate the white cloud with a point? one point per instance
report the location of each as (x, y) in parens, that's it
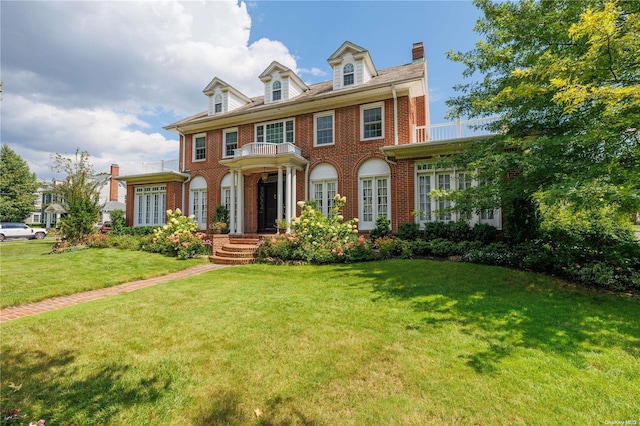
(105, 76)
(316, 72)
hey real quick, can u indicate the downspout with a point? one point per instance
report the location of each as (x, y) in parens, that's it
(306, 182)
(395, 114)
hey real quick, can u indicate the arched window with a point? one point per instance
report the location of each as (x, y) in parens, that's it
(347, 75)
(217, 107)
(198, 201)
(276, 88)
(324, 186)
(374, 198)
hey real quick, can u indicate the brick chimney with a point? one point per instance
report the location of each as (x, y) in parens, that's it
(417, 52)
(113, 184)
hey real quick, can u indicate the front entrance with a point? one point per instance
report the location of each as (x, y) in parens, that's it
(268, 204)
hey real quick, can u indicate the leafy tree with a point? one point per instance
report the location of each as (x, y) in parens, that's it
(18, 186)
(564, 76)
(80, 194)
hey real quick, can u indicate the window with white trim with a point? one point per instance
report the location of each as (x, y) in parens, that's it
(275, 132)
(217, 104)
(150, 205)
(276, 91)
(323, 132)
(374, 196)
(371, 121)
(348, 75)
(198, 201)
(225, 193)
(324, 187)
(230, 141)
(433, 208)
(199, 151)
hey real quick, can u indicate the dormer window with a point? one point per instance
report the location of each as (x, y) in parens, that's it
(276, 93)
(347, 75)
(218, 104)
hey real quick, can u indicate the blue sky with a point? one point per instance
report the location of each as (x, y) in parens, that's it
(105, 76)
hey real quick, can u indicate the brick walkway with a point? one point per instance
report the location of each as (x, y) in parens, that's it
(15, 312)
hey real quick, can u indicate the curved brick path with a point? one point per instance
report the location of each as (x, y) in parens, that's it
(15, 312)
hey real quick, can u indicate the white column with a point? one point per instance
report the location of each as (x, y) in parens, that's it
(232, 202)
(279, 200)
(294, 174)
(240, 219)
(288, 195)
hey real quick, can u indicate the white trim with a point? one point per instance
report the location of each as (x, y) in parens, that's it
(224, 141)
(194, 139)
(366, 107)
(284, 130)
(374, 170)
(333, 127)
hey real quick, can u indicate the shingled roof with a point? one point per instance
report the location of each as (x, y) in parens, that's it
(385, 77)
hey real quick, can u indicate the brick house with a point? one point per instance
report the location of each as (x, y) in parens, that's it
(365, 134)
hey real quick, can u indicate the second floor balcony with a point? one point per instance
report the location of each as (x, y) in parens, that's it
(459, 129)
(266, 149)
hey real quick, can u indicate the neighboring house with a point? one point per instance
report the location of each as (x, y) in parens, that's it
(113, 196)
(35, 218)
(365, 134)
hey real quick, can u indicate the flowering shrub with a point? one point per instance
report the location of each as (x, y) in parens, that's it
(178, 237)
(319, 239)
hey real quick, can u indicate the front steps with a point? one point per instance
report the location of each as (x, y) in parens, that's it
(239, 251)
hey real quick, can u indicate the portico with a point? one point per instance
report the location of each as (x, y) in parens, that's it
(276, 164)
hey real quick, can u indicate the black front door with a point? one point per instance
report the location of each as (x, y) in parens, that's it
(268, 204)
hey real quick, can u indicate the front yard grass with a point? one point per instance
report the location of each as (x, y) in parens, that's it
(31, 275)
(390, 342)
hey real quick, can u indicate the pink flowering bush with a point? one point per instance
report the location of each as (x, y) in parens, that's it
(178, 237)
(317, 238)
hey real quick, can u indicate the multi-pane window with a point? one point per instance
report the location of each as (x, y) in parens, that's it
(371, 123)
(428, 178)
(230, 142)
(374, 198)
(199, 207)
(444, 205)
(424, 201)
(276, 91)
(276, 132)
(150, 205)
(347, 75)
(217, 105)
(324, 129)
(199, 147)
(323, 192)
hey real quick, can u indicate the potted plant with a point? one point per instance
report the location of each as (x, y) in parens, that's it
(220, 220)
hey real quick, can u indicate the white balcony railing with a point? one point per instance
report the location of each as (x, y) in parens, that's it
(454, 130)
(160, 166)
(264, 148)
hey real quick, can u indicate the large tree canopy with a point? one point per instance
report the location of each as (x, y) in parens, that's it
(18, 187)
(564, 76)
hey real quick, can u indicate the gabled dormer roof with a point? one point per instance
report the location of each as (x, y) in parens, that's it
(359, 53)
(285, 72)
(224, 87)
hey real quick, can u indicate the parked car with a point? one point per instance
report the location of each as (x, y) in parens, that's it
(106, 227)
(20, 230)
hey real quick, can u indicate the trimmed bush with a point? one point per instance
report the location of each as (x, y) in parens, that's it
(409, 231)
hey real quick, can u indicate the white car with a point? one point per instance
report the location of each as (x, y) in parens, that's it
(20, 230)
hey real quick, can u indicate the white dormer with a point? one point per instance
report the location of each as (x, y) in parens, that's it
(223, 97)
(352, 66)
(280, 83)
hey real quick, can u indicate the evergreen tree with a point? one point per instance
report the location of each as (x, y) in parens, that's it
(18, 187)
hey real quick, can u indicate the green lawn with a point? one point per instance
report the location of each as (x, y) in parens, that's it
(393, 342)
(30, 275)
